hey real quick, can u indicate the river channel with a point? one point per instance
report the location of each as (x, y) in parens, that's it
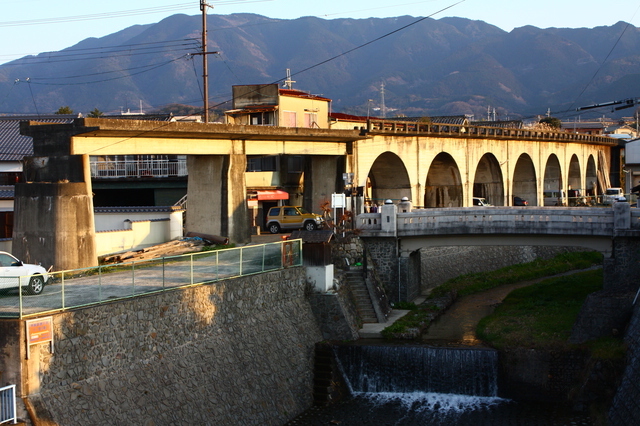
(455, 328)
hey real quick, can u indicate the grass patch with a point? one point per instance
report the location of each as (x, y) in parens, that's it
(607, 348)
(481, 281)
(540, 315)
(417, 319)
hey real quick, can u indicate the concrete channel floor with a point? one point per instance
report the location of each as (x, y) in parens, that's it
(374, 331)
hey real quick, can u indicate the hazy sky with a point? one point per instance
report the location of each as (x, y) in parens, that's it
(35, 26)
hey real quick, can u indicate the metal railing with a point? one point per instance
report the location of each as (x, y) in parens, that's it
(106, 283)
(138, 168)
(8, 405)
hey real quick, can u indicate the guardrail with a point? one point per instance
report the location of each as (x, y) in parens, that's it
(106, 283)
(8, 405)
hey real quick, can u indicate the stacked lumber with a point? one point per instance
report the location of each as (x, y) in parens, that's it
(171, 248)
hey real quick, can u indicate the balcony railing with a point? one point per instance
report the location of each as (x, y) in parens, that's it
(138, 168)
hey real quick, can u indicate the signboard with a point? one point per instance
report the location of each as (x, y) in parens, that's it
(39, 331)
(338, 201)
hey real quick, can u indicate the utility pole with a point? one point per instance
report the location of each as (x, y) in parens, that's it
(205, 65)
(383, 107)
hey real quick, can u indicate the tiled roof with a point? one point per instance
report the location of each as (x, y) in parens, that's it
(6, 192)
(460, 120)
(13, 145)
(136, 209)
(301, 94)
(508, 124)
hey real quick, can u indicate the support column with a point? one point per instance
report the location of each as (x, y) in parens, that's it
(321, 177)
(216, 196)
(54, 221)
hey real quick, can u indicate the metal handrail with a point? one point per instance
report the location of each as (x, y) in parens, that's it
(138, 168)
(8, 405)
(105, 283)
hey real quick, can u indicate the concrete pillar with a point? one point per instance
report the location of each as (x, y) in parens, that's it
(321, 180)
(216, 196)
(389, 218)
(54, 221)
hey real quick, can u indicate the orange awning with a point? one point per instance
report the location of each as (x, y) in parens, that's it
(275, 194)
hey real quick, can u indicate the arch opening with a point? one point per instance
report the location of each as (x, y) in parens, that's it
(524, 181)
(444, 183)
(488, 182)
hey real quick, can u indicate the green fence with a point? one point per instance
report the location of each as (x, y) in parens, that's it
(91, 286)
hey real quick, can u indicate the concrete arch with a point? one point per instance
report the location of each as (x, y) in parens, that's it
(488, 182)
(387, 179)
(591, 177)
(443, 187)
(552, 185)
(525, 182)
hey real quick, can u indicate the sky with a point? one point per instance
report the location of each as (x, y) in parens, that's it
(29, 27)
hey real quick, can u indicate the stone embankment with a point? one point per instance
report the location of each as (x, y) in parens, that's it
(235, 352)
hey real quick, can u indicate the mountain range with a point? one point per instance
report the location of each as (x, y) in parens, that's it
(410, 66)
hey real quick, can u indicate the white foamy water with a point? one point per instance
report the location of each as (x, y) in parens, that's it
(433, 402)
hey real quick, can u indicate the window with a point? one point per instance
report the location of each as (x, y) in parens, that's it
(289, 119)
(262, 164)
(310, 119)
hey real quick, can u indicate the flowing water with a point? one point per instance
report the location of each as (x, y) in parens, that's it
(422, 385)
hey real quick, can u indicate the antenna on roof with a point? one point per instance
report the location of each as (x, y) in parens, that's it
(288, 83)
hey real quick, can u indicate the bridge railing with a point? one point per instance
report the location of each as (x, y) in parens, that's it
(106, 283)
(538, 220)
(440, 129)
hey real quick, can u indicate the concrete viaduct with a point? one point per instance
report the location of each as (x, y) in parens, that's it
(434, 165)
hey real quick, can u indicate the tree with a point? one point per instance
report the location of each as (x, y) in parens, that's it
(95, 113)
(64, 110)
(554, 122)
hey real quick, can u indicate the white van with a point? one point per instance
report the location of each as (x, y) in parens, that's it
(554, 198)
(612, 195)
(478, 201)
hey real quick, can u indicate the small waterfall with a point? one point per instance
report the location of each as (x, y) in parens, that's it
(419, 369)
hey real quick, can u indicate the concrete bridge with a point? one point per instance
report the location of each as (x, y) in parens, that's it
(436, 165)
(395, 238)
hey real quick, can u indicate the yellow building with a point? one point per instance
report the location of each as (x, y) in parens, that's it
(270, 105)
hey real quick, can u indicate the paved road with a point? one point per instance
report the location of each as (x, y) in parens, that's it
(125, 280)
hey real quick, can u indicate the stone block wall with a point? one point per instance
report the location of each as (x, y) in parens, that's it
(234, 352)
(625, 409)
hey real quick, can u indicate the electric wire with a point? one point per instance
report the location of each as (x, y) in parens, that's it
(322, 62)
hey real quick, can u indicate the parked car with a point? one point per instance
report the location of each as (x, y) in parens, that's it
(479, 201)
(292, 217)
(612, 195)
(517, 201)
(32, 278)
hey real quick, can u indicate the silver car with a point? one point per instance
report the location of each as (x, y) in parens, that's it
(32, 278)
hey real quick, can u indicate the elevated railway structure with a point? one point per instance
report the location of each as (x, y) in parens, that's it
(434, 165)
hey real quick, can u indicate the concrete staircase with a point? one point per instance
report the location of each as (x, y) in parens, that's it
(355, 281)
